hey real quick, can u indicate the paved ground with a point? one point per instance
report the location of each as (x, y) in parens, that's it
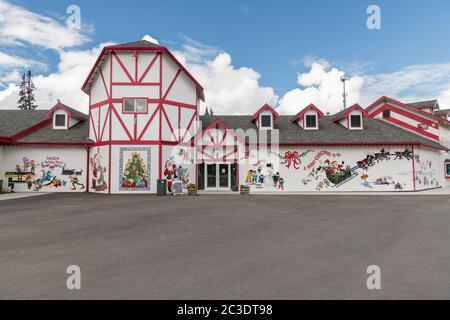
(18, 195)
(225, 246)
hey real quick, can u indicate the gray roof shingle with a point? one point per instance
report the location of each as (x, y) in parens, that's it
(15, 121)
(425, 104)
(78, 133)
(139, 43)
(375, 131)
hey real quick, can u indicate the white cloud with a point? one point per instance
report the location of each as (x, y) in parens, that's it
(322, 86)
(427, 81)
(64, 84)
(19, 26)
(150, 39)
(228, 89)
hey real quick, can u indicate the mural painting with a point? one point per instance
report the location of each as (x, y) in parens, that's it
(175, 168)
(264, 176)
(134, 165)
(98, 182)
(334, 173)
(50, 173)
(426, 175)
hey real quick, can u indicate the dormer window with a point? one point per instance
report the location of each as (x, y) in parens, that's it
(308, 118)
(311, 121)
(355, 121)
(266, 121)
(352, 118)
(60, 120)
(264, 118)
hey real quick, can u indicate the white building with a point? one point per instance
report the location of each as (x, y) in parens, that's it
(144, 125)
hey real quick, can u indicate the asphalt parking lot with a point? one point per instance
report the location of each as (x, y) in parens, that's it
(225, 246)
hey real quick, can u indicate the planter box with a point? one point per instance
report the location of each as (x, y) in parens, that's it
(192, 191)
(245, 191)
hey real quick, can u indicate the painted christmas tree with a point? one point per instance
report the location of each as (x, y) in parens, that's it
(135, 173)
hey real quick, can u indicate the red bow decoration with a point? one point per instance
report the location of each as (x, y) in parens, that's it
(292, 159)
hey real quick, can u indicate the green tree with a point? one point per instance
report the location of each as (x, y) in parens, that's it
(26, 99)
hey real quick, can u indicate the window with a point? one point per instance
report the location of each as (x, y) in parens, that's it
(60, 120)
(447, 169)
(386, 114)
(310, 121)
(422, 126)
(355, 121)
(132, 105)
(266, 121)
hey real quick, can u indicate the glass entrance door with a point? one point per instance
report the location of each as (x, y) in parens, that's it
(217, 176)
(224, 176)
(211, 176)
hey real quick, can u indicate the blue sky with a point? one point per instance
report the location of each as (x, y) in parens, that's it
(277, 39)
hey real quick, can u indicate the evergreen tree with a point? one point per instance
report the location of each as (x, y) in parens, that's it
(26, 94)
(206, 112)
(211, 113)
(22, 102)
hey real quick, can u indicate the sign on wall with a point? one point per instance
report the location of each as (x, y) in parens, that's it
(134, 169)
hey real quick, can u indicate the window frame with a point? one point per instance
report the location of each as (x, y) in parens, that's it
(270, 119)
(388, 114)
(447, 172)
(315, 121)
(64, 126)
(135, 109)
(350, 125)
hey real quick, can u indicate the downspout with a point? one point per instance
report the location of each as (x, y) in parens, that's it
(413, 168)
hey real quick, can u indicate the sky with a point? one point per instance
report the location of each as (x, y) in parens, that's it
(245, 53)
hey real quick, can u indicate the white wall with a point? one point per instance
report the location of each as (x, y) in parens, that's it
(308, 172)
(429, 169)
(45, 169)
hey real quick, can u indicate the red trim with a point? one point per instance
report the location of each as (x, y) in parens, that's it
(99, 104)
(149, 122)
(179, 104)
(142, 84)
(51, 143)
(160, 119)
(218, 122)
(189, 126)
(401, 112)
(121, 123)
(412, 128)
(148, 68)
(30, 130)
(302, 112)
(123, 67)
(154, 49)
(104, 84)
(264, 107)
(87, 168)
(59, 105)
(403, 105)
(168, 122)
(347, 113)
(104, 125)
(413, 168)
(171, 84)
